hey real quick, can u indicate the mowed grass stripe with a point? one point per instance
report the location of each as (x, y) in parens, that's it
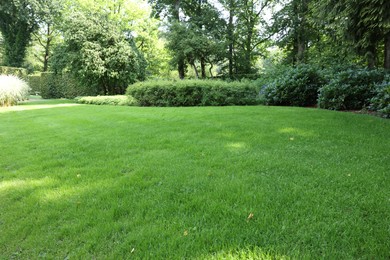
(128, 182)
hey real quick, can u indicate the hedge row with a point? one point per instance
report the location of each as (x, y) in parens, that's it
(51, 85)
(119, 100)
(19, 72)
(342, 89)
(34, 81)
(193, 93)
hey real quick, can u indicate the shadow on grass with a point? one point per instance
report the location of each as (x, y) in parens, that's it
(125, 218)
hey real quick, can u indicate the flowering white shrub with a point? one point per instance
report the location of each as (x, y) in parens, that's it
(12, 90)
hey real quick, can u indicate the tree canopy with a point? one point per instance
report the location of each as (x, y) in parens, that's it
(200, 38)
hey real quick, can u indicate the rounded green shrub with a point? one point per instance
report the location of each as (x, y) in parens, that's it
(381, 101)
(296, 86)
(12, 90)
(351, 89)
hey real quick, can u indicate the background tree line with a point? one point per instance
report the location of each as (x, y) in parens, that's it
(110, 44)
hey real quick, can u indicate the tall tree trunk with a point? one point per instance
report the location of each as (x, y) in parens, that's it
(248, 50)
(300, 40)
(181, 67)
(371, 56)
(301, 48)
(47, 49)
(230, 38)
(387, 52)
(211, 70)
(203, 67)
(195, 69)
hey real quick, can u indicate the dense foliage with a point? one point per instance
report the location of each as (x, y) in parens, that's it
(18, 20)
(64, 85)
(34, 81)
(381, 100)
(193, 93)
(296, 86)
(19, 72)
(351, 89)
(97, 54)
(12, 90)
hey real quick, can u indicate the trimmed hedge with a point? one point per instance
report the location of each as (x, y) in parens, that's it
(296, 86)
(62, 86)
(34, 81)
(193, 93)
(119, 100)
(19, 72)
(351, 89)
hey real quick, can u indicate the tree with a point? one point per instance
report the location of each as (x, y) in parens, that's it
(133, 19)
(1, 49)
(249, 36)
(18, 19)
(172, 8)
(365, 23)
(50, 14)
(295, 30)
(96, 52)
(245, 34)
(230, 6)
(204, 23)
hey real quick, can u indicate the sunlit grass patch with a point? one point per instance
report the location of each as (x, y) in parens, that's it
(34, 107)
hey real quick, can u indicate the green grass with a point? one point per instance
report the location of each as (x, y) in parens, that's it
(82, 182)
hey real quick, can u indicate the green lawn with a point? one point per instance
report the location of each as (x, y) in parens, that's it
(85, 182)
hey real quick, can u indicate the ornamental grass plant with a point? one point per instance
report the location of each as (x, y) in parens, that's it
(12, 90)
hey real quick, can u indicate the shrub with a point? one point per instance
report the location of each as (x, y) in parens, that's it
(98, 54)
(193, 93)
(50, 86)
(34, 81)
(119, 100)
(297, 86)
(62, 86)
(12, 90)
(350, 89)
(19, 72)
(381, 101)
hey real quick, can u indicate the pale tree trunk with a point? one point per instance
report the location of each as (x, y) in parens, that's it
(196, 70)
(387, 52)
(47, 49)
(211, 70)
(230, 35)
